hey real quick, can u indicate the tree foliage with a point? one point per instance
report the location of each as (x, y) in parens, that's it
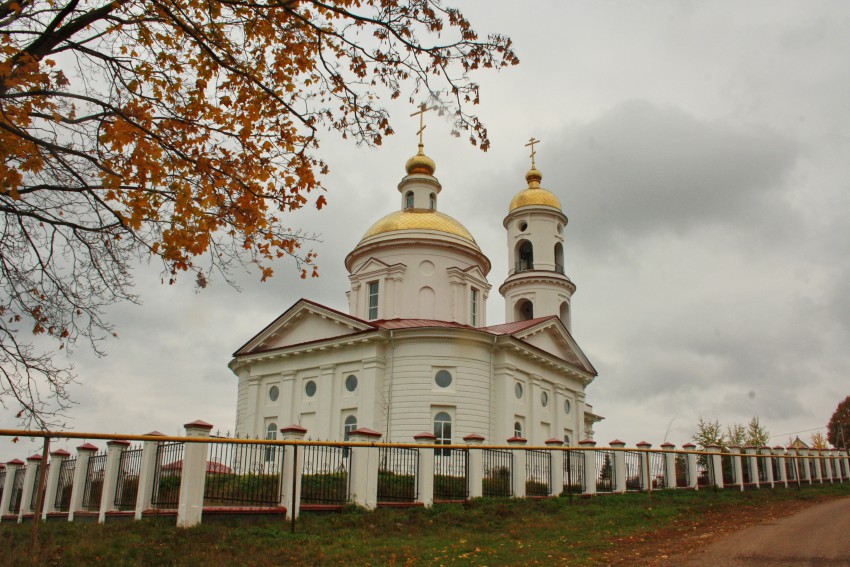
(818, 441)
(838, 428)
(184, 131)
(712, 433)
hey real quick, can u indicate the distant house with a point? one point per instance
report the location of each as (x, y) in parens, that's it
(212, 467)
(798, 444)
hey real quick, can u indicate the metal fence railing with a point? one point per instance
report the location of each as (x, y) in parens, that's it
(35, 486)
(658, 470)
(538, 473)
(398, 471)
(94, 482)
(17, 491)
(451, 470)
(762, 466)
(325, 475)
(704, 476)
(634, 474)
(127, 486)
(727, 462)
(574, 472)
(791, 471)
(606, 477)
(63, 489)
(777, 468)
(497, 472)
(2, 482)
(813, 470)
(167, 474)
(683, 472)
(243, 475)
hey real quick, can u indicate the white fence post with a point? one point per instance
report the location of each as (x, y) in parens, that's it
(768, 465)
(805, 469)
(425, 474)
(737, 467)
(827, 464)
(645, 476)
(364, 468)
(669, 464)
(293, 470)
(30, 478)
(193, 476)
(753, 465)
(715, 463)
(114, 449)
(52, 484)
(519, 458)
(846, 460)
(691, 459)
(147, 470)
(778, 452)
(795, 463)
(556, 473)
(11, 471)
(836, 465)
(619, 465)
(590, 472)
(81, 470)
(816, 459)
(475, 472)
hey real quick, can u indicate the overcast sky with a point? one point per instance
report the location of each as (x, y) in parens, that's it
(701, 151)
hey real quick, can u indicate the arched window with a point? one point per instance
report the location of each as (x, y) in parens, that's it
(408, 200)
(524, 310)
(433, 201)
(565, 314)
(349, 426)
(271, 434)
(525, 256)
(443, 432)
(517, 429)
(559, 258)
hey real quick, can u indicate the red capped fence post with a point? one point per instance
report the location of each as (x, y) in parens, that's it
(364, 468)
(475, 472)
(737, 467)
(778, 453)
(752, 463)
(110, 477)
(8, 486)
(691, 459)
(768, 465)
(556, 474)
(519, 460)
(81, 469)
(715, 464)
(590, 472)
(293, 467)
(52, 485)
(147, 471)
(425, 475)
(619, 465)
(645, 478)
(190, 506)
(30, 479)
(669, 464)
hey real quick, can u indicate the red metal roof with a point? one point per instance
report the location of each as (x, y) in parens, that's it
(515, 327)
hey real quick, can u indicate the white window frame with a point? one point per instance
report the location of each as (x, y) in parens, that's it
(373, 289)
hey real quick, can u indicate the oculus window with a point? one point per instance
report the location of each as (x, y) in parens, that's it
(443, 378)
(518, 390)
(310, 388)
(351, 383)
(274, 392)
(544, 399)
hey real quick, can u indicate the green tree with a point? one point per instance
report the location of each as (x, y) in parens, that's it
(838, 428)
(757, 435)
(708, 433)
(184, 131)
(736, 434)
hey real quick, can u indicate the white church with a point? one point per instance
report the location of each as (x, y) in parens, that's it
(415, 352)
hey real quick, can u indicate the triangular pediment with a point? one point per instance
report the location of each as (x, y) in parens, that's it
(373, 265)
(304, 322)
(551, 336)
(475, 272)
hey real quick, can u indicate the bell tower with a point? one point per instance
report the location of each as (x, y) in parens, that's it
(537, 285)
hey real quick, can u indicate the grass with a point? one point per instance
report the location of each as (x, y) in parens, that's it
(482, 532)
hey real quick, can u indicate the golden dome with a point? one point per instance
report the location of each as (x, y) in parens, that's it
(534, 194)
(420, 163)
(419, 219)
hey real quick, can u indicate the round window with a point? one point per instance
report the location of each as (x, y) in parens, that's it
(443, 378)
(351, 383)
(544, 399)
(566, 406)
(310, 388)
(518, 390)
(274, 392)
(523, 226)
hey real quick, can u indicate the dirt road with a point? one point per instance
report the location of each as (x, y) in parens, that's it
(816, 536)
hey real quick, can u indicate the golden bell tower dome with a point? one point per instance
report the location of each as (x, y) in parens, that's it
(534, 195)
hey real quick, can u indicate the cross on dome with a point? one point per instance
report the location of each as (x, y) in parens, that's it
(531, 143)
(420, 163)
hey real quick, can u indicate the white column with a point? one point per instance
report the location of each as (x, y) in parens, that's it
(768, 464)
(753, 465)
(190, 506)
(425, 476)
(475, 472)
(364, 468)
(825, 457)
(619, 465)
(56, 459)
(691, 460)
(778, 453)
(11, 470)
(590, 471)
(736, 465)
(816, 459)
(645, 475)
(81, 469)
(293, 466)
(110, 477)
(805, 469)
(669, 464)
(794, 462)
(147, 470)
(715, 462)
(519, 459)
(30, 478)
(556, 461)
